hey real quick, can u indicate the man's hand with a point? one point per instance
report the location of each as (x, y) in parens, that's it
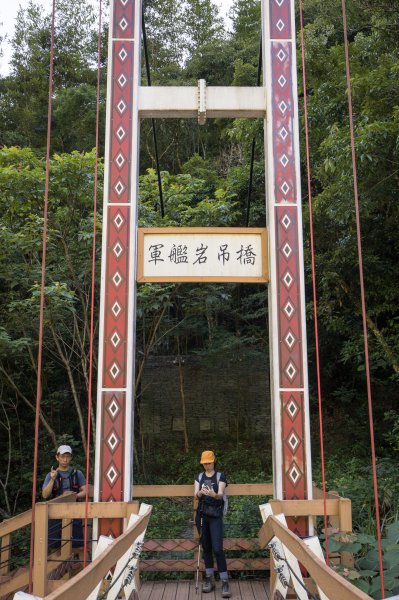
(53, 473)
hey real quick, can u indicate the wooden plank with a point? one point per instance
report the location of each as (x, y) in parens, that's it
(127, 564)
(318, 494)
(65, 498)
(192, 594)
(55, 584)
(189, 565)
(25, 518)
(170, 591)
(184, 491)
(183, 590)
(184, 545)
(145, 590)
(157, 590)
(81, 585)
(108, 510)
(235, 590)
(304, 508)
(15, 523)
(66, 548)
(5, 554)
(345, 524)
(241, 590)
(330, 582)
(40, 550)
(246, 591)
(21, 579)
(260, 589)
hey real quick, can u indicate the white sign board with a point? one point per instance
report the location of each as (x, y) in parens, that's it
(202, 254)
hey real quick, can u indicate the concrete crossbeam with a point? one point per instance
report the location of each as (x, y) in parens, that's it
(221, 102)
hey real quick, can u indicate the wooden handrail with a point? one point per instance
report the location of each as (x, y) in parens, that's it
(100, 510)
(305, 508)
(183, 491)
(24, 519)
(332, 584)
(15, 523)
(82, 585)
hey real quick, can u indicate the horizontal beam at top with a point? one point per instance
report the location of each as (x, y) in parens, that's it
(221, 101)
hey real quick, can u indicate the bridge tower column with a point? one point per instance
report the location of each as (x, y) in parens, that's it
(287, 324)
(115, 395)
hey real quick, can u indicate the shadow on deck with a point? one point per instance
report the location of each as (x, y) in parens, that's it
(185, 590)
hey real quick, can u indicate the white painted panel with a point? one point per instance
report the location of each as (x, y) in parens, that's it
(202, 255)
(127, 565)
(103, 543)
(313, 543)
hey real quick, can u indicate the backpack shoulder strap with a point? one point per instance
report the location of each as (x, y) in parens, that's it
(57, 487)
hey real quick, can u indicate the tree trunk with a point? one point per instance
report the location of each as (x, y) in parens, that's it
(182, 397)
(31, 406)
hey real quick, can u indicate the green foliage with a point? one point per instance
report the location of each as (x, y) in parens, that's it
(365, 574)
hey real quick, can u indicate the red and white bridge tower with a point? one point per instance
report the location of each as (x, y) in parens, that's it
(277, 103)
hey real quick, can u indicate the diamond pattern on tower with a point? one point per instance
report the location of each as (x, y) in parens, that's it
(295, 474)
(113, 408)
(292, 408)
(113, 441)
(112, 474)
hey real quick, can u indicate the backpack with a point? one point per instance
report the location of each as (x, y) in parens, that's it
(73, 484)
(224, 499)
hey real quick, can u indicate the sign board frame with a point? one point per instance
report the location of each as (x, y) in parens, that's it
(207, 232)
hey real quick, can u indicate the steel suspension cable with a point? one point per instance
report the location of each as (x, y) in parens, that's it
(42, 290)
(251, 168)
(93, 282)
(315, 317)
(363, 298)
(154, 131)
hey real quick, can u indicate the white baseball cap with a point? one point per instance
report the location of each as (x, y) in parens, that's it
(64, 449)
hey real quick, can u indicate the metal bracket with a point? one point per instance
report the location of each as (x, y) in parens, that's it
(201, 101)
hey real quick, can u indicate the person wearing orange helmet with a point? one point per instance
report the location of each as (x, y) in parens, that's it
(209, 488)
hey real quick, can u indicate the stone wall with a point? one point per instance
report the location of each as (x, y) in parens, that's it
(228, 398)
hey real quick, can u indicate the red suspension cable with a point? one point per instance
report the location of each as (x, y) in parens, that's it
(363, 300)
(93, 273)
(41, 311)
(316, 328)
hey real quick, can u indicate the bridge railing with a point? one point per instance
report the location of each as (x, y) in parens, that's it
(170, 554)
(15, 548)
(332, 584)
(339, 515)
(163, 550)
(49, 568)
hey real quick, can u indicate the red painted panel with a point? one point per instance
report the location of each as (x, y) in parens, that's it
(289, 300)
(283, 123)
(112, 457)
(123, 27)
(294, 452)
(119, 187)
(280, 19)
(116, 300)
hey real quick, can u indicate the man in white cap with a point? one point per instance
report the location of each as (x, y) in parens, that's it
(64, 478)
(59, 481)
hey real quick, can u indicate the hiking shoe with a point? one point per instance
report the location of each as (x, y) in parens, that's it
(208, 585)
(226, 589)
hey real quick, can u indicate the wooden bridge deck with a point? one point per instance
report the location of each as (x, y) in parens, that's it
(185, 590)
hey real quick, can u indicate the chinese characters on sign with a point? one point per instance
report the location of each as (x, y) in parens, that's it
(178, 254)
(202, 254)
